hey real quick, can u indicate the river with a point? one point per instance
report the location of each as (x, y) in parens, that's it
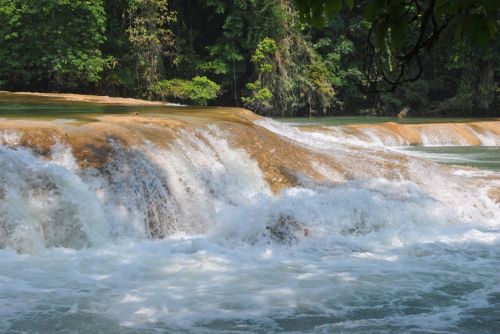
(137, 218)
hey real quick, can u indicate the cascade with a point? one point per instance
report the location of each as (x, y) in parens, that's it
(216, 220)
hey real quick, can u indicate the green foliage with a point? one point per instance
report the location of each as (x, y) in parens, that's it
(149, 40)
(401, 31)
(51, 44)
(478, 19)
(291, 78)
(390, 103)
(264, 54)
(218, 37)
(318, 74)
(339, 48)
(315, 12)
(198, 90)
(213, 67)
(201, 90)
(259, 98)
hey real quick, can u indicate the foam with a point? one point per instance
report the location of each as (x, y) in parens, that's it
(190, 238)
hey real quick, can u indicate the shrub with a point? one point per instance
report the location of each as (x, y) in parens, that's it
(198, 90)
(259, 98)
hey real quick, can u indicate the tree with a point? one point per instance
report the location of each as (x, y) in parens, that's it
(51, 44)
(198, 90)
(371, 57)
(401, 30)
(150, 40)
(290, 76)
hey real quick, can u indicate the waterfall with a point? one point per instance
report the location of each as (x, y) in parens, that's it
(484, 133)
(220, 222)
(198, 181)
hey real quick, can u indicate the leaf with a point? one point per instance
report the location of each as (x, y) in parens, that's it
(381, 32)
(350, 3)
(398, 30)
(478, 30)
(439, 10)
(491, 6)
(483, 36)
(317, 14)
(454, 6)
(371, 11)
(332, 7)
(492, 26)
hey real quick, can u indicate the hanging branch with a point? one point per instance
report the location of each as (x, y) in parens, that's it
(408, 63)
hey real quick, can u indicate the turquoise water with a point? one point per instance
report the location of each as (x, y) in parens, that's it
(55, 108)
(41, 108)
(484, 157)
(21, 106)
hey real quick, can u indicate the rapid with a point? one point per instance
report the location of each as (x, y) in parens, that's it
(153, 219)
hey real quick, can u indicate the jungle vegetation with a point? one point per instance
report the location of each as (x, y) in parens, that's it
(276, 57)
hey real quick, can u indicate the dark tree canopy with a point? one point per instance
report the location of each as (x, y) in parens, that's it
(401, 30)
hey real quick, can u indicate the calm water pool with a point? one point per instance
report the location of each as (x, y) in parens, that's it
(484, 157)
(346, 120)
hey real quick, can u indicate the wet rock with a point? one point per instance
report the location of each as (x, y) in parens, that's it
(287, 230)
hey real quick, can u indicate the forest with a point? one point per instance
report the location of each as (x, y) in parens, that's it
(264, 55)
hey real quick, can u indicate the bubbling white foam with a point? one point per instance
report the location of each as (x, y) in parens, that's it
(191, 239)
(373, 136)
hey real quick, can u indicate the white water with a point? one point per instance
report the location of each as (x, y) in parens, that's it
(81, 252)
(435, 135)
(445, 144)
